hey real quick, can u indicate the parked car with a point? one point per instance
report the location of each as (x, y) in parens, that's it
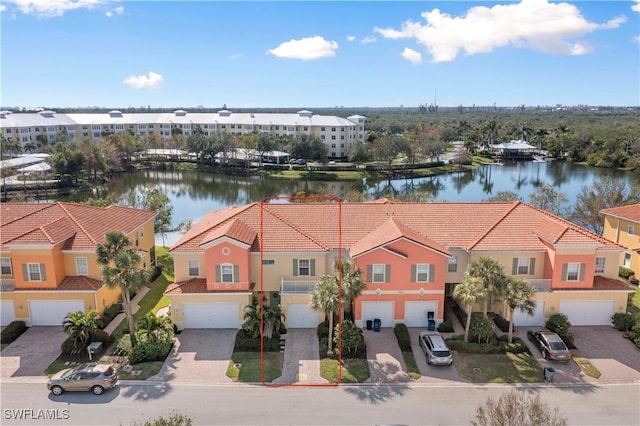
(301, 161)
(550, 344)
(85, 377)
(435, 348)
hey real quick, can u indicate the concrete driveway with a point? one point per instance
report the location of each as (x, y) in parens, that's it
(431, 373)
(199, 356)
(386, 364)
(32, 352)
(301, 357)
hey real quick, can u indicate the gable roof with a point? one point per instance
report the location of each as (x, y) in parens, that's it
(287, 227)
(631, 212)
(79, 227)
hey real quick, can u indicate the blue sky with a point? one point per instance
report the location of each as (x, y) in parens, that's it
(66, 53)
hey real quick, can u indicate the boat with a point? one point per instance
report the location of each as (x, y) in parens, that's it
(495, 163)
(539, 159)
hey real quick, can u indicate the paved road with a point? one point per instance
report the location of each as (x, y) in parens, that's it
(348, 405)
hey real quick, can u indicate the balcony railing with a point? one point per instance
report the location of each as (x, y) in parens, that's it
(542, 286)
(297, 287)
(7, 284)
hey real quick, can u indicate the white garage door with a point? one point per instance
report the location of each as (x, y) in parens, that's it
(582, 312)
(7, 312)
(300, 315)
(210, 315)
(521, 319)
(52, 312)
(415, 313)
(382, 310)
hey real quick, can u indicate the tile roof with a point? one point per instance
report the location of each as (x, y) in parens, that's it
(323, 226)
(199, 285)
(235, 229)
(74, 283)
(631, 212)
(80, 227)
(601, 283)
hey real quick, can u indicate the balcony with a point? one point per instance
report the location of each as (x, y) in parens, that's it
(7, 284)
(297, 287)
(541, 286)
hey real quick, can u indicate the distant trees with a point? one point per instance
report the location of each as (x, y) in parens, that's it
(547, 198)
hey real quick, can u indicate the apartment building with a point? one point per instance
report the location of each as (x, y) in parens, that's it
(337, 133)
(622, 225)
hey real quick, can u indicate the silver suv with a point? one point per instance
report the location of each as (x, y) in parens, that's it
(435, 348)
(84, 377)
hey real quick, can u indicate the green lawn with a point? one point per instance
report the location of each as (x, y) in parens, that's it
(412, 366)
(146, 369)
(249, 368)
(498, 368)
(353, 370)
(634, 305)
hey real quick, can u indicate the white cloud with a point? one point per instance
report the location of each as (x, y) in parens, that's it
(368, 39)
(150, 81)
(637, 39)
(412, 56)
(118, 11)
(51, 8)
(636, 6)
(351, 38)
(534, 24)
(307, 49)
(2, 8)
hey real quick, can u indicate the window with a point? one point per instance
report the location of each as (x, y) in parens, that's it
(573, 271)
(5, 266)
(600, 262)
(194, 268)
(268, 262)
(227, 273)
(333, 145)
(142, 232)
(137, 240)
(630, 230)
(422, 273)
(82, 266)
(34, 272)
(379, 273)
(322, 129)
(523, 266)
(627, 260)
(452, 264)
(303, 267)
(305, 129)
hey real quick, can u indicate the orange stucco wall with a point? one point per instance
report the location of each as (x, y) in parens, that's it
(227, 252)
(560, 259)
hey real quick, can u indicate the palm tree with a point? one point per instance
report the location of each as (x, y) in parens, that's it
(252, 320)
(491, 274)
(352, 284)
(272, 320)
(517, 294)
(79, 325)
(325, 298)
(152, 328)
(120, 268)
(469, 292)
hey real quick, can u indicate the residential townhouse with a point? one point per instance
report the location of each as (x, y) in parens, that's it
(48, 262)
(337, 133)
(411, 255)
(622, 225)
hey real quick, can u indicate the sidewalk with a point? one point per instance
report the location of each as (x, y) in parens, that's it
(115, 322)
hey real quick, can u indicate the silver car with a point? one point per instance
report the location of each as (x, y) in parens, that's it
(85, 377)
(435, 348)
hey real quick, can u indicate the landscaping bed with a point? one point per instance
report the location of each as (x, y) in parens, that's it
(404, 341)
(498, 367)
(245, 366)
(354, 364)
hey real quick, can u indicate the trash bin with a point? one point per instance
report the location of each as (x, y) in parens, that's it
(549, 372)
(377, 323)
(431, 326)
(369, 324)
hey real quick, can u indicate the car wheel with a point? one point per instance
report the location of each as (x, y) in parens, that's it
(56, 390)
(97, 390)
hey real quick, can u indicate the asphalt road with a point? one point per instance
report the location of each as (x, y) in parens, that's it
(355, 405)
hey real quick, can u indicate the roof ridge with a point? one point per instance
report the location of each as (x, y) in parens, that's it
(44, 206)
(74, 220)
(46, 234)
(500, 219)
(298, 229)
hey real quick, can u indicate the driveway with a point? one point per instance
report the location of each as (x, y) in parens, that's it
(32, 352)
(385, 358)
(199, 356)
(301, 357)
(431, 373)
(617, 358)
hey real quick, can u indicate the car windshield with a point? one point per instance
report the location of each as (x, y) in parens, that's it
(68, 373)
(441, 353)
(558, 346)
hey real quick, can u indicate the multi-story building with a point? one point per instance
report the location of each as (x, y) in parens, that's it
(410, 255)
(337, 133)
(48, 258)
(622, 225)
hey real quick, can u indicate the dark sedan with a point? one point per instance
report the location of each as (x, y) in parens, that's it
(550, 344)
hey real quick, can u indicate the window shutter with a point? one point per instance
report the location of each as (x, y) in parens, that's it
(564, 271)
(236, 273)
(295, 267)
(218, 275)
(312, 267)
(370, 273)
(532, 266)
(583, 267)
(432, 272)
(25, 273)
(43, 275)
(514, 268)
(387, 273)
(413, 273)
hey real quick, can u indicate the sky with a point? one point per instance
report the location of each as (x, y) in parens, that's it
(267, 54)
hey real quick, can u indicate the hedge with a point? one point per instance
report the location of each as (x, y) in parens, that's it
(625, 272)
(402, 334)
(150, 351)
(501, 323)
(12, 331)
(246, 343)
(446, 326)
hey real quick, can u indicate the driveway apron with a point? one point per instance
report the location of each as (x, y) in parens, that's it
(32, 352)
(199, 356)
(386, 364)
(301, 358)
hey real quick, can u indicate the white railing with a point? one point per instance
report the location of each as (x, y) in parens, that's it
(7, 284)
(297, 287)
(542, 286)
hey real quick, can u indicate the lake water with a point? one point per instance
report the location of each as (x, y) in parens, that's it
(194, 193)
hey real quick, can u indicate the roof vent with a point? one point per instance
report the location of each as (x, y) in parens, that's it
(115, 113)
(224, 113)
(180, 113)
(47, 113)
(305, 113)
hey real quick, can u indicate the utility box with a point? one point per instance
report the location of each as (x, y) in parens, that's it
(549, 372)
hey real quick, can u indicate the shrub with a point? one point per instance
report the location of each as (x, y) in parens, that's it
(12, 331)
(124, 344)
(471, 347)
(623, 321)
(402, 334)
(70, 346)
(625, 272)
(323, 330)
(149, 351)
(559, 324)
(353, 345)
(156, 271)
(100, 336)
(501, 323)
(109, 314)
(460, 314)
(246, 343)
(516, 347)
(446, 326)
(481, 329)
(633, 280)
(323, 348)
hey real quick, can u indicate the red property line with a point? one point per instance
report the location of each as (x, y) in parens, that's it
(313, 198)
